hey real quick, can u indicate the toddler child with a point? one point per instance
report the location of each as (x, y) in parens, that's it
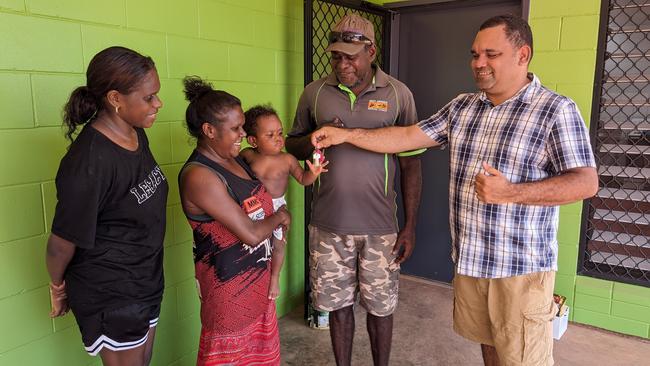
(272, 167)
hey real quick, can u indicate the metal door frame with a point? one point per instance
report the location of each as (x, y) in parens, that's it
(412, 6)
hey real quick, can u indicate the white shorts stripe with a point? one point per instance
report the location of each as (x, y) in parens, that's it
(113, 345)
(104, 341)
(153, 322)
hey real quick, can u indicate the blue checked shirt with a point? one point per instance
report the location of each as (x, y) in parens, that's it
(534, 135)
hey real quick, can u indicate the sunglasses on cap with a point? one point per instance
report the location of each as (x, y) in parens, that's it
(349, 37)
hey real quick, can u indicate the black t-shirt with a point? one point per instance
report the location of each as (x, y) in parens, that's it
(111, 205)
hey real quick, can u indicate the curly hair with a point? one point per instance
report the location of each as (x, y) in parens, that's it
(253, 114)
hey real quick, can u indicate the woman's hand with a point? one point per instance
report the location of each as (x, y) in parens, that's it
(286, 221)
(284, 215)
(59, 300)
(58, 254)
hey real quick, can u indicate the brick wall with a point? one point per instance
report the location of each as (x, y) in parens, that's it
(251, 48)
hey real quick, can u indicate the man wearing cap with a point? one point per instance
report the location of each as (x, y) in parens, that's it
(354, 244)
(517, 151)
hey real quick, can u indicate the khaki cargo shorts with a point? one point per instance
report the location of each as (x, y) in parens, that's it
(513, 314)
(342, 265)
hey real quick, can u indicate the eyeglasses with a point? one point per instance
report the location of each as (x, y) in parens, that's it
(349, 37)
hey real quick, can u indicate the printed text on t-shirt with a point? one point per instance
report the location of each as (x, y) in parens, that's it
(147, 187)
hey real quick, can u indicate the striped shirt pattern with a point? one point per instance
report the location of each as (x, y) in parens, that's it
(534, 135)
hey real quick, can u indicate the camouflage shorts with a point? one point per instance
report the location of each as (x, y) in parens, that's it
(339, 262)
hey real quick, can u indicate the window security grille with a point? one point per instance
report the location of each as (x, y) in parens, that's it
(616, 240)
(324, 16)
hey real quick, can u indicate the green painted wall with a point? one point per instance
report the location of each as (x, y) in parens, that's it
(565, 34)
(252, 48)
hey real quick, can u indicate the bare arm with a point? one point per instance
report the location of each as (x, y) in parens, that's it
(58, 255)
(203, 192)
(248, 155)
(300, 146)
(569, 186)
(305, 177)
(411, 183)
(392, 139)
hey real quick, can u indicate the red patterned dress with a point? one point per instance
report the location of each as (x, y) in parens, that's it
(238, 321)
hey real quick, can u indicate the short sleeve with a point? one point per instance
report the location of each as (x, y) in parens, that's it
(408, 114)
(437, 126)
(568, 142)
(303, 123)
(79, 187)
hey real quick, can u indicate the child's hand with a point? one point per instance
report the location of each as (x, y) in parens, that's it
(316, 170)
(284, 215)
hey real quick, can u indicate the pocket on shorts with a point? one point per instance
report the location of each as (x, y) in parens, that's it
(538, 344)
(322, 272)
(535, 280)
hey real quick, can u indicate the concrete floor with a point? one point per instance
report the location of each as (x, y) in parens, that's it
(423, 335)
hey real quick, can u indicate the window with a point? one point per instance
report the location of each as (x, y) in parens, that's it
(616, 230)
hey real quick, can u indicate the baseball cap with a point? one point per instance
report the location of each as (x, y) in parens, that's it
(350, 34)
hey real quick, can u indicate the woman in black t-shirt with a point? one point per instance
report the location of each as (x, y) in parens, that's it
(105, 251)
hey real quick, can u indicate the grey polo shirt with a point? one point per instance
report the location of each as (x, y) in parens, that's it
(356, 195)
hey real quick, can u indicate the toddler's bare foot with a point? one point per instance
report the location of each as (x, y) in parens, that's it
(274, 288)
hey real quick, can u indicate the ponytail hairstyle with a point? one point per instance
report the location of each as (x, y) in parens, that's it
(206, 104)
(114, 68)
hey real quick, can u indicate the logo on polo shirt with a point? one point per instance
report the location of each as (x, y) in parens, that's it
(378, 105)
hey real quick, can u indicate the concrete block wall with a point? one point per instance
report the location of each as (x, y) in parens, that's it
(251, 48)
(565, 35)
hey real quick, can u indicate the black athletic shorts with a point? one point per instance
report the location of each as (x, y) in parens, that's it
(118, 329)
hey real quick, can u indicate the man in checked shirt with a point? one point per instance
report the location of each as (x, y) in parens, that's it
(517, 152)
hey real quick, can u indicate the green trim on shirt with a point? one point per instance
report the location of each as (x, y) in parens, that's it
(385, 174)
(351, 95)
(353, 98)
(411, 153)
(316, 102)
(397, 100)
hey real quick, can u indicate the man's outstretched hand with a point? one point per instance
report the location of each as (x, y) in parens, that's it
(328, 136)
(319, 137)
